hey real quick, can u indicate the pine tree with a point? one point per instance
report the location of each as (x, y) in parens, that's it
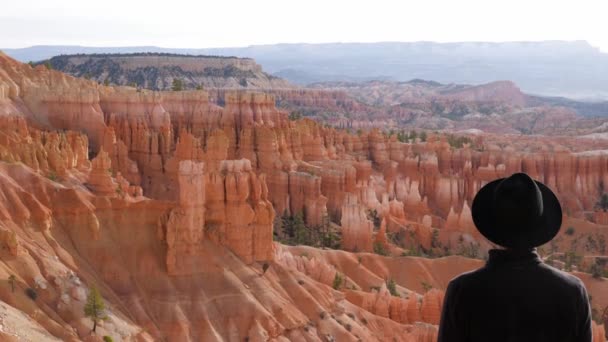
(95, 307)
(11, 280)
(177, 85)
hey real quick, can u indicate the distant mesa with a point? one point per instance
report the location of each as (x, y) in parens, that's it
(160, 71)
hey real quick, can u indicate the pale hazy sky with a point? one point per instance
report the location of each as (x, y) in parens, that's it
(221, 23)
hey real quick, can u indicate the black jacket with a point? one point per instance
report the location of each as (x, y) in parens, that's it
(515, 297)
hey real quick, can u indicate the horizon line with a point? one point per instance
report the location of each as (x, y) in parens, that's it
(309, 43)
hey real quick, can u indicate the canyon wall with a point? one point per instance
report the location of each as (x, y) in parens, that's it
(167, 200)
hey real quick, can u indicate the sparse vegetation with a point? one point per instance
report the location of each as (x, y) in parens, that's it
(404, 137)
(11, 282)
(373, 216)
(470, 251)
(177, 84)
(413, 136)
(338, 280)
(423, 136)
(426, 286)
(295, 116)
(379, 249)
(95, 307)
(435, 243)
(596, 270)
(601, 244)
(52, 176)
(107, 339)
(602, 203)
(391, 285)
(458, 141)
(569, 231)
(295, 231)
(570, 259)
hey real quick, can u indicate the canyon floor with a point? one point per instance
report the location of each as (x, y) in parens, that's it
(232, 220)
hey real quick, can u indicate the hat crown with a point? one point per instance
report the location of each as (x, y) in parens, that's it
(517, 200)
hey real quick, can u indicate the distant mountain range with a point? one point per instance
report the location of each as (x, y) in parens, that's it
(572, 69)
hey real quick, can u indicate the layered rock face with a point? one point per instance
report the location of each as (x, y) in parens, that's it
(242, 218)
(357, 230)
(167, 200)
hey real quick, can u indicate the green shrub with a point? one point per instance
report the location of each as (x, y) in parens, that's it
(52, 176)
(379, 249)
(107, 339)
(295, 116)
(391, 285)
(426, 286)
(373, 216)
(338, 280)
(177, 85)
(569, 231)
(423, 136)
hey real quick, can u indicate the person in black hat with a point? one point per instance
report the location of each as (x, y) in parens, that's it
(516, 297)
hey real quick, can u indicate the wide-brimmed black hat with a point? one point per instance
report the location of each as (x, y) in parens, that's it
(517, 212)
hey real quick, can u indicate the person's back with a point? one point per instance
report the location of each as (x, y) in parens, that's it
(515, 297)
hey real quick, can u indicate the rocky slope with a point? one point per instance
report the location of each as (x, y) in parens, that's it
(497, 107)
(158, 71)
(167, 202)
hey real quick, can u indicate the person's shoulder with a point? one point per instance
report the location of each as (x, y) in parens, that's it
(466, 277)
(569, 280)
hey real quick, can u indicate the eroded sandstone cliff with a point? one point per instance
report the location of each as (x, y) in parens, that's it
(167, 202)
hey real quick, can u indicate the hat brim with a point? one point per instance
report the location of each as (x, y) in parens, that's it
(533, 235)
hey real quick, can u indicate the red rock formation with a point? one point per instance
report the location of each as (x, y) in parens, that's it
(183, 198)
(599, 333)
(185, 229)
(100, 179)
(240, 215)
(403, 310)
(356, 228)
